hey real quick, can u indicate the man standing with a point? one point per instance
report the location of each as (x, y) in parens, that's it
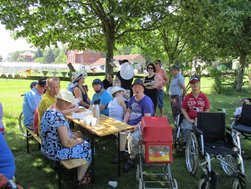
(177, 90)
(31, 102)
(139, 105)
(194, 102)
(163, 79)
(49, 97)
(101, 97)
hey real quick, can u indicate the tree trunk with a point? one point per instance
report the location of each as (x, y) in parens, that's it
(240, 72)
(109, 54)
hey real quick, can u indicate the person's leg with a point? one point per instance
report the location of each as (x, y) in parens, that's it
(176, 105)
(186, 128)
(160, 101)
(133, 149)
(82, 170)
(123, 139)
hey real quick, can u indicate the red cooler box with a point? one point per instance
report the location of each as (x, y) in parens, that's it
(157, 138)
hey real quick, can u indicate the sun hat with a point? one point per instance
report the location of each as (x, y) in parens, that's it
(138, 82)
(97, 81)
(126, 71)
(194, 79)
(66, 95)
(77, 77)
(116, 89)
(42, 82)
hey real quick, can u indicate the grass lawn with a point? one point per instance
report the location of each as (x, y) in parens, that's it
(36, 172)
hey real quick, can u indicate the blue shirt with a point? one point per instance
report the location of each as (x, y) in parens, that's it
(30, 104)
(7, 162)
(139, 108)
(104, 98)
(176, 85)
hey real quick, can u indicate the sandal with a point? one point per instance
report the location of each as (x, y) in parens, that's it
(85, 180)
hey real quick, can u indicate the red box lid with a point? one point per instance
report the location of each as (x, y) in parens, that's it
(156, 129)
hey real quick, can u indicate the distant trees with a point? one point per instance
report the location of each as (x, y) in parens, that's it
(49, 56)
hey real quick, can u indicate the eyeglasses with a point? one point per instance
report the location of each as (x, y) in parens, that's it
(150, 68)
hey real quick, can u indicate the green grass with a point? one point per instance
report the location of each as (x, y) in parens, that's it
(35, 172)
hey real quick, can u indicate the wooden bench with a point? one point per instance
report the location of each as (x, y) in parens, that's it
(67, 164)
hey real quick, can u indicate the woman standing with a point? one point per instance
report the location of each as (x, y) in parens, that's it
(80, 91)
(58, 141)
(151, 84)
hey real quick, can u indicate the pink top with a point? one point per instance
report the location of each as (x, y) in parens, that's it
(161, 78)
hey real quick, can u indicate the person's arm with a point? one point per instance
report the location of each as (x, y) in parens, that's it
(155, 83)
(78, 94)
(122, 102)
(64, 138)
(104, 101)
(165, 77)
(181, 82)
(186, 116)
(127, 115)
(207, 104)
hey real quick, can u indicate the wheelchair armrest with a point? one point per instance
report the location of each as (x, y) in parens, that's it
(197, 130)
(222, 110)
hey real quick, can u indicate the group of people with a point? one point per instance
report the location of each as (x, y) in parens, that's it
(119, 98)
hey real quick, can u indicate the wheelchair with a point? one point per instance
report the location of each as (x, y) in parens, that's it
(211, 140)
(242, 124)
(177, 135)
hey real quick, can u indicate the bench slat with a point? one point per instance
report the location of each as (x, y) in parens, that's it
(35, 136)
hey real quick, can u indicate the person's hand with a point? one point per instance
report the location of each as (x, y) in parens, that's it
(190, 121)
(80, 140)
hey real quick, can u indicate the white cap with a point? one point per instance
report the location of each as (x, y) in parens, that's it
(66, 96)
(126, 71)
(116, 89)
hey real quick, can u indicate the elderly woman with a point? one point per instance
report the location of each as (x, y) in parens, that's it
(58, 141)
(80, 91)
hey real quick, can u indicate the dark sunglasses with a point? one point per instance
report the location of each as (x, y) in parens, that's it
(150, 68)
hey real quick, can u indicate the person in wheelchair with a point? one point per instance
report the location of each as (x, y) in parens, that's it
(194, 102)
(238, 110)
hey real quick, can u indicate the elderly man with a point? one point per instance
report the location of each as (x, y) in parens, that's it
(101, 97)
(177, 90)
(194, 102)
(31, 102)
(139, 105)
(49, 97)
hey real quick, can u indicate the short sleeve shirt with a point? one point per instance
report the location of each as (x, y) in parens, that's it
(176, 85)
(104, 99)
(190, 104)
(139, 108)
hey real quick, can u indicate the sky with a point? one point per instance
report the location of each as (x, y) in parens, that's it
(8, 44)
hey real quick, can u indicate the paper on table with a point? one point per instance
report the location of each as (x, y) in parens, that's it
(81, 115)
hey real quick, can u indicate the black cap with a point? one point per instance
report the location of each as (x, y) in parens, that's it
(175, 67)
(42, 82)
(33, 84)
(97, 81)
(138, 82)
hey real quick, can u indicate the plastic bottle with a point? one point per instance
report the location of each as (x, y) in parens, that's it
(97, 111)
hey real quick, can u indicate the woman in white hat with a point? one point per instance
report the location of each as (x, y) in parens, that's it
(58, 141)
(80, 91)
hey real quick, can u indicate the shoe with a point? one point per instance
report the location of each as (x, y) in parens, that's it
(123, 156)
(129, 165)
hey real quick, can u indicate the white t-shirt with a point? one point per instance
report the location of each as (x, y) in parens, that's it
(116, 110)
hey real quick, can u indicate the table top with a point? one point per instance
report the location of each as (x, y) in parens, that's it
(104, 127)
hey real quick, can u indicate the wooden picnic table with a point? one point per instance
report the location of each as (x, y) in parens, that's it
(105, 126)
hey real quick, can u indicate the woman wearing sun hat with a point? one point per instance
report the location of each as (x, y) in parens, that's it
(80, 91)
(58, 141)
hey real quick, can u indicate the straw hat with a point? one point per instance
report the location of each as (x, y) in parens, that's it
(66, 96)
(126, 71)
(116, 89)
(77, 77)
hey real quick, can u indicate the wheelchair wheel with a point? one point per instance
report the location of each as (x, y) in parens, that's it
(204, 183)
(231, 165)
(177, 139)
(192, 154)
